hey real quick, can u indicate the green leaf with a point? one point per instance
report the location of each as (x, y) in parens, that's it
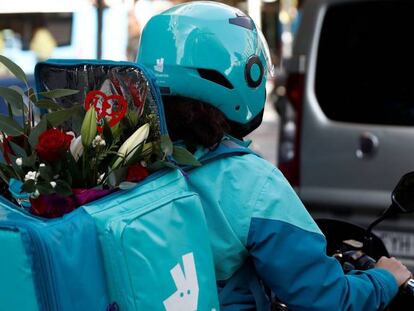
(10, 127)
(126, 185)
(63, 188)
(184, 157)
(18, 151)
(107, 133)
(18, 89)
(19, 171)
(116, 130)
(36, 131)
(46, 173)
(48, 104)
(13, 97)
(166, 145)
(31, 94)
(74, 171)
(4, 177)
(30, 160)
(8, 171)
(58, 117)
(29, 186)
(116, 176)
(17, 109)
(45, 188)
(135, 155)
(2, 160)
(89, 127)
(10, 110)
(161, 164)
(133, 118)
(57, 93)
(14, 68)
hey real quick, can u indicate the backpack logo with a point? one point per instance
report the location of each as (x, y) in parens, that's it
(186, 296)
(159, 66)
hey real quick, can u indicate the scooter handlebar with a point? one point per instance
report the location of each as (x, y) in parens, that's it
(408, 287)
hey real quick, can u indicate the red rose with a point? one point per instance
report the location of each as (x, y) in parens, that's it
(52, 205)
(52, 143)
(136, 173)
(56, 205)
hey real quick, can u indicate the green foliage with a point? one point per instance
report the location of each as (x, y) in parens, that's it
(56, 118)
(10, 127)
(13, 98)
(57, 93)
(48, 104)
(184, 157)
(166, 145)
(100, 157)
(14, 69)
(36, 131)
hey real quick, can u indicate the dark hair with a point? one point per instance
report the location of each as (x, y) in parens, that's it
(194, 122)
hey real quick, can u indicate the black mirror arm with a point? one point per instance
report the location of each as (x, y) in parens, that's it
(389, 212)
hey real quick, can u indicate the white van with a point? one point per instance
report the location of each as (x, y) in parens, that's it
(347, 128)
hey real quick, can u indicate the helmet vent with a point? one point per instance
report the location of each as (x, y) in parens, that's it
(215, 76)
(242, 21)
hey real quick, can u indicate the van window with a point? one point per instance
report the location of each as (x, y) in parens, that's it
(365, 63)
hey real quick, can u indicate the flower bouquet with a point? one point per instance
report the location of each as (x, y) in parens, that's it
(62, 148)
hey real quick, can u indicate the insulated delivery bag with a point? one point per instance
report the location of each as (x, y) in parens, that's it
(153, 235)
(49, 264)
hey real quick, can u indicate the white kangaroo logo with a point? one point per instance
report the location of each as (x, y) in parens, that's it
(186, 296)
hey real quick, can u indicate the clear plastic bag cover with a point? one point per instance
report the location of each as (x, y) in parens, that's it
(94, 79)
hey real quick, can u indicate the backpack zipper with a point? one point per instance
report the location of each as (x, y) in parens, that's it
(47, 293)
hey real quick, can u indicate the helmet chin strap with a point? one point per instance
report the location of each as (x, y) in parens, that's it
(240, 131)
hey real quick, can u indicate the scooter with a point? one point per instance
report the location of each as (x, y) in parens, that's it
(358, 248)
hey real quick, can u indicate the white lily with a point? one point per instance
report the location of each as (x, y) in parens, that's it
(128, 148)
(76, 147)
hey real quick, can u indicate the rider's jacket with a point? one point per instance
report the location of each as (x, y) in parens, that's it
(260, 232)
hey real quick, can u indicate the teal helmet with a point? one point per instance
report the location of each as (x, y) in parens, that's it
(213, 53)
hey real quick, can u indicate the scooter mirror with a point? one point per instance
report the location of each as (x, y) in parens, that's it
(403, 194)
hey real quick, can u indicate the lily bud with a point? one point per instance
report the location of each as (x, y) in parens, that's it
(89, 127)
(129, 147)
(76, 148)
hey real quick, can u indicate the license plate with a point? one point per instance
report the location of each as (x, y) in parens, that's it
(398, 244)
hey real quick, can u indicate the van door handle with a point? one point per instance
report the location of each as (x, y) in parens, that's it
(368, 145)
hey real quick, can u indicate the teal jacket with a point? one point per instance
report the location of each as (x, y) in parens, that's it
(259, 225)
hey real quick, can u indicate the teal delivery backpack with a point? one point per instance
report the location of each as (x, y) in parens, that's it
(156, 246)
(153, 236)
(49, 264)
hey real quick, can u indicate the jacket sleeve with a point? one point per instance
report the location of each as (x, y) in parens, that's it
(288, 252)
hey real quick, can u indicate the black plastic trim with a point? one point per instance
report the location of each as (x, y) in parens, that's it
(242, 21)
(215, 76)
(239, 130)
(253, 60)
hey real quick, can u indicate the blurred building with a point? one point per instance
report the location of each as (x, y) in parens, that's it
(36, 30)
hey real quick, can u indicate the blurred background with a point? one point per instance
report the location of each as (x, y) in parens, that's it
(32, 31)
